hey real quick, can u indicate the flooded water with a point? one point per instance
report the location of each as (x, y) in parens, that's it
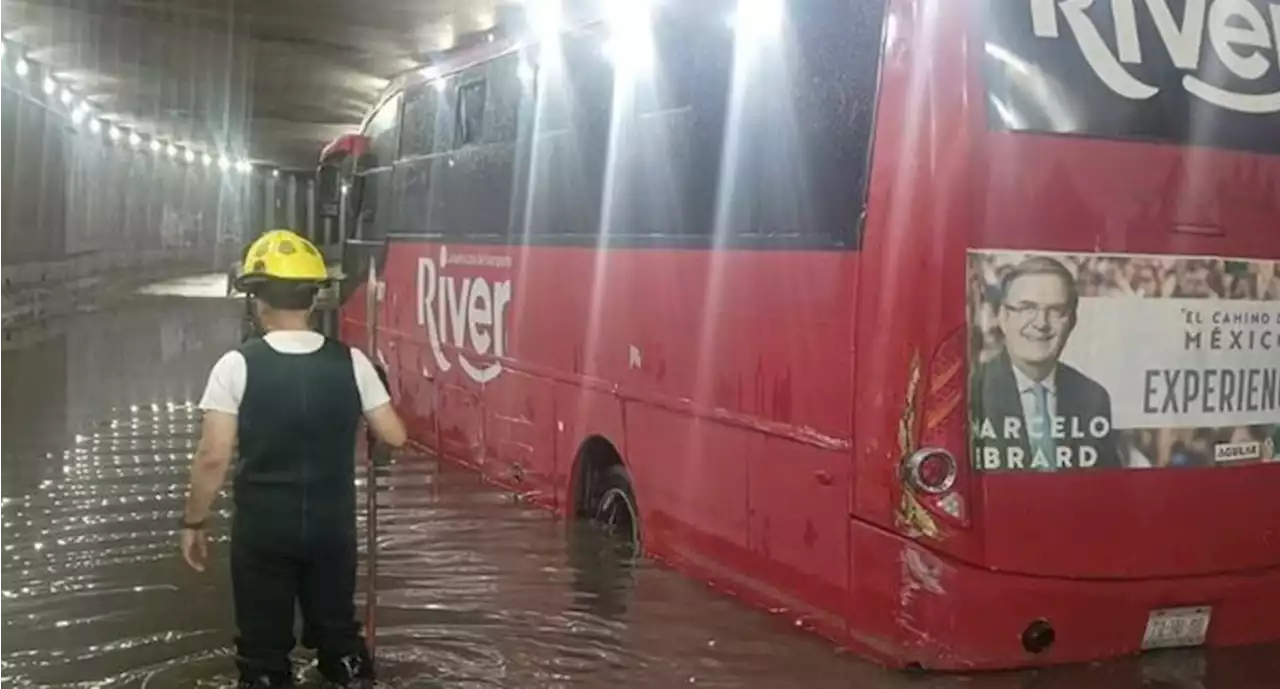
(476, 590)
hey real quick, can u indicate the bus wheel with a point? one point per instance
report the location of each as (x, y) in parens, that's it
(604, 540)
(615, 510)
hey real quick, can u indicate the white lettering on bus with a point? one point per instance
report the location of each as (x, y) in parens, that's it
(1062, 428)
(1237, 31)
(1016, 458)
(473, 311)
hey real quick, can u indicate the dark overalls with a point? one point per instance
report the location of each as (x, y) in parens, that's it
(293, 535)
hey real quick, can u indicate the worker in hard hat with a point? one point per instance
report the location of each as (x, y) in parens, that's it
(291, 401)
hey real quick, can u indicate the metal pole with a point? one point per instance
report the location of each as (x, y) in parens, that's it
(371, 484)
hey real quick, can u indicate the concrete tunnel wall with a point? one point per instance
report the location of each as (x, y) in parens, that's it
(81, 211)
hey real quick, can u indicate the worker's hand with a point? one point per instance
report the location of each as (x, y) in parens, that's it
(195, 549)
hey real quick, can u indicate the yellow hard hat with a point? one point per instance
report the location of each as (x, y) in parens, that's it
(282, 255)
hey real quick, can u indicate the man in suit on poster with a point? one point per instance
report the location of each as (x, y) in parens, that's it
(1032, 412)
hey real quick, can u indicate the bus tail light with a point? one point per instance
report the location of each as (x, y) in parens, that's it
(938, 472)
(931, 470)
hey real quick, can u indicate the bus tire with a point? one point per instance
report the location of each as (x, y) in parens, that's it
(602, 564)
(613, 508)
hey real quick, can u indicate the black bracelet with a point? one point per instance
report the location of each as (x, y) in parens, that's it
(191, 526)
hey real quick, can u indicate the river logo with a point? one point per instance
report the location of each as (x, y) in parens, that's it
(1243, 36)
(469, 313)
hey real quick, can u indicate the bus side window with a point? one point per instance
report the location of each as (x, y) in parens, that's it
(477, 185)
(469, 125)
(667, 167)
(446, 105)
(418, 130)
(373, 187)
(505, 166)
(414, 170)
(383, 132)
(507, 87)
(802, 122)
(570, 149)
(437, 176)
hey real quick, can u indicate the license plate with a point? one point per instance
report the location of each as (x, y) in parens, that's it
(1176, 627)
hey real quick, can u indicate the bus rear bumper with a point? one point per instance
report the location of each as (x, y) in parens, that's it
(948, 615)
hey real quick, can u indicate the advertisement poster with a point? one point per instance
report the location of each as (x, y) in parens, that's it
(1097, 361)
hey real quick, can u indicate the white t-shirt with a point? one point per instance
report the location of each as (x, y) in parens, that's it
(226, 384)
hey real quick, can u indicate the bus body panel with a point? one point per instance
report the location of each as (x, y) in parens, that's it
(952, 615)
(920, 199)
(762, 400)
(732, 457)
(1068, 193)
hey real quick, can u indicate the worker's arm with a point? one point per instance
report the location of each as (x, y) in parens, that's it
(209, 467)
(386, 425)
(220, 403)
(375, 400)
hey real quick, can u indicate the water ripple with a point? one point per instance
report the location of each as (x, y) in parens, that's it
(475, 589)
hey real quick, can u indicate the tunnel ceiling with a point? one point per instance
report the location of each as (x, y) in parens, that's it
(273, 80)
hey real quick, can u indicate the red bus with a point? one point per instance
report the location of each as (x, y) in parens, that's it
(947, 328)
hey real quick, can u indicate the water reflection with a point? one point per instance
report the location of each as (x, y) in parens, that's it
(476, 589)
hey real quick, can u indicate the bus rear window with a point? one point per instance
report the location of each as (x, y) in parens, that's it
(1196, 72)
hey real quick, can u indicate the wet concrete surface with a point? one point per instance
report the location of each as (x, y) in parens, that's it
(476, 589)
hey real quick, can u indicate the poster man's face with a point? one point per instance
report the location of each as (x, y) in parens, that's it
(1036, 318)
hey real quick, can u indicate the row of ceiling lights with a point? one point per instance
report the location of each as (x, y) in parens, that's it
(80, 110)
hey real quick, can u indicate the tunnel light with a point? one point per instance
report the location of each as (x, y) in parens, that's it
(429, 73)
(544, 17)
(345, 188)
(757, 19)
(631, 50)
(224, 163)
(78, 113)
(244, 167)
(95, 126)
(23, 68)
(621, 12)
(525, 72)
(171, 151)
(114, 132)
(155, 146)
(134, 139)
(275, 173)
(440, 85)
(66, 96)
(189, 156)
(630, 44)
(206, 159)
(50, 86)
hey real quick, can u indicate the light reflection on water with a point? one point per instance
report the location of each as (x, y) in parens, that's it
(476, 590)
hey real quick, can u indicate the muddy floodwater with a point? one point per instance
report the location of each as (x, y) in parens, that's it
(476, 590)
